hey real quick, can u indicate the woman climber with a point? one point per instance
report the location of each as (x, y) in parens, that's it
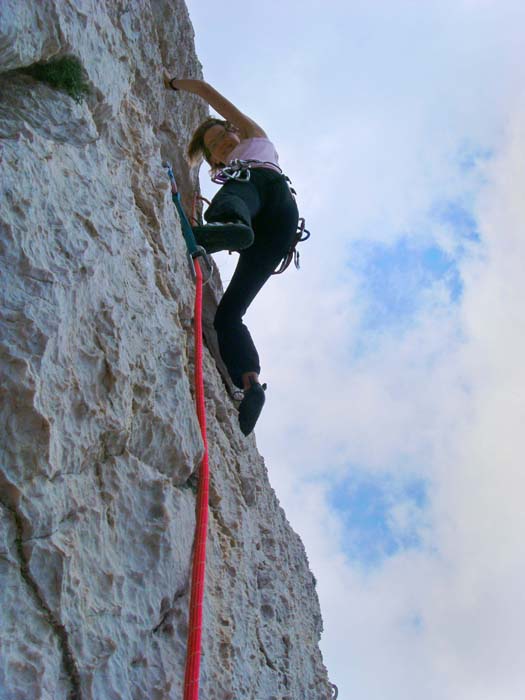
(256, 216)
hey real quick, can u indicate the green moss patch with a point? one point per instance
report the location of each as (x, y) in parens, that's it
(64, 73)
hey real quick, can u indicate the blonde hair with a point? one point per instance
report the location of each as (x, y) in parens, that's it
(197, 149)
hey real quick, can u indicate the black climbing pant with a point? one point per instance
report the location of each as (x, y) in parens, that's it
(267, 205)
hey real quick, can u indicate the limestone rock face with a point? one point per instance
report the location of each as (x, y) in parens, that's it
(100, 445)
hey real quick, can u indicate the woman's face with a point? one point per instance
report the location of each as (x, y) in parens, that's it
(220, 143)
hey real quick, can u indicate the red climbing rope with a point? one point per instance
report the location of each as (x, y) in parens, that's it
(193, 656)
(194, 219)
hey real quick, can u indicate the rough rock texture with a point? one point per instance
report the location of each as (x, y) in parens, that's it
(99, 439)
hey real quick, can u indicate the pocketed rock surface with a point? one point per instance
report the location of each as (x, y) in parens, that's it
(100, 445)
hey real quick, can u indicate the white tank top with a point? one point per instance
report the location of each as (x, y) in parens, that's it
(257, 148)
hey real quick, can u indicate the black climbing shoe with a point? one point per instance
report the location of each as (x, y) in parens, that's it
(231, 235)
(251, 407)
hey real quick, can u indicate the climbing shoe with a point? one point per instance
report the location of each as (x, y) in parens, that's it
(251, 407)
(230, 235)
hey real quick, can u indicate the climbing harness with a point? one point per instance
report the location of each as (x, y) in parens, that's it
(240, 171)
(193, 653)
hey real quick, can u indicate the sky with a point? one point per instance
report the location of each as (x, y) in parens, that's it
(393, 428)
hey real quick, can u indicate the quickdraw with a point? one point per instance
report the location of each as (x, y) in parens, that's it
(193, 249)
(301, 235)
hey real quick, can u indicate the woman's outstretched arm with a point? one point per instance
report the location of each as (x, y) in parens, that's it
(247, 127)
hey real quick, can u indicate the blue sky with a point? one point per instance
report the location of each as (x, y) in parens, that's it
(392, 430)
(381, 516)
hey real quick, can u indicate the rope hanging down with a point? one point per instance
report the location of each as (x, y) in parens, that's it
(193, 652)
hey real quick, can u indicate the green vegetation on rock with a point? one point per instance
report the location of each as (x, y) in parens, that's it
(64, 73)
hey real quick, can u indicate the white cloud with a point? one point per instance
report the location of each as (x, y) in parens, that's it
(446, 621)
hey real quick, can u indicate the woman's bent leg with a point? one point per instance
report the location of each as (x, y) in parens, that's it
(234, 201)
